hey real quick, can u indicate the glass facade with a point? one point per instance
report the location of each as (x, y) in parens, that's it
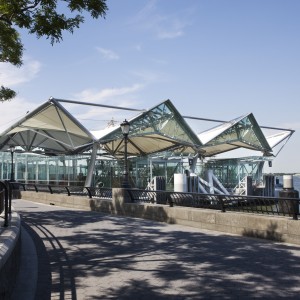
(160, 129)
(65, 170)
(72, 170)
(245, 131)
(160, 143)
(232, 171)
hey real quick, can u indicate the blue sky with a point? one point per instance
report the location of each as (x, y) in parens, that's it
(217, 59)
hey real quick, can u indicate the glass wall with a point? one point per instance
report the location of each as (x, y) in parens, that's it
(72, 170)
(231, 171)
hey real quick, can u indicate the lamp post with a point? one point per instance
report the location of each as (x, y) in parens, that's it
(125, 126)
(12, 150)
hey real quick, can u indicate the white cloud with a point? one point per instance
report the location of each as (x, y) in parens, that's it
(164, 26)
(97, 117)
(293, 126)
(170, 34)
(91, 95)
(148, 15)
(149, 77)
(170, 30)
(12, 76)
(160, 61)
(138, 47)
(108, 54)
(12, 111)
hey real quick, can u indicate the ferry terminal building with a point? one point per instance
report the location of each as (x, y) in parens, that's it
(50, 146)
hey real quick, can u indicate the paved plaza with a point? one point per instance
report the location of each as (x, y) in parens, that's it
(72, 254)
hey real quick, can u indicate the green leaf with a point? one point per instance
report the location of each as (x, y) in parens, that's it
(6, 94)
(43, 18)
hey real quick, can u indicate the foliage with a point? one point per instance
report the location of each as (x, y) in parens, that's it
(6, 94)
(40, 17)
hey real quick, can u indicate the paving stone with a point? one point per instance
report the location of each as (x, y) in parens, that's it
(92, 255)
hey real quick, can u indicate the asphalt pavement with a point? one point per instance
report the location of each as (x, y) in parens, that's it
(72, 254)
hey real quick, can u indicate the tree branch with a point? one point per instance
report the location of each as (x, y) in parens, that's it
(8, 17)
(34, 5)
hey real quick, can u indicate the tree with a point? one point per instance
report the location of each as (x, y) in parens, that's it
(40, 17)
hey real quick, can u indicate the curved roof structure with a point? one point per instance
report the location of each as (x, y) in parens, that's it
(277, 138)
(242, 132)
(51, 130)
(161, 128)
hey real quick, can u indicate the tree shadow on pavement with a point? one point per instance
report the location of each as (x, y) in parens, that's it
(115, 257)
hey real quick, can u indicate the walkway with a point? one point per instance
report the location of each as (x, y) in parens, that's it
(90, 255)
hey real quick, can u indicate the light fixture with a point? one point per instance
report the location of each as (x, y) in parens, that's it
(12, 150)
(125, 127)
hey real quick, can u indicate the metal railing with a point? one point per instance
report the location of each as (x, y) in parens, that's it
(238, 203)
(249, 204)
(5, 199)
(69, 190)
(2, 198)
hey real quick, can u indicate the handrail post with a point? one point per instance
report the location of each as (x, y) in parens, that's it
(129, 192)
(170, 200)
(295, 209)
(100, 192)
(10, 188)
(50, 189)
(5, 204)
(221, 203)
(89, 191)
(68, 190)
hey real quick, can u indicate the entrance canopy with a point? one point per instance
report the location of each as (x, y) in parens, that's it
(161, 128)
(50, 130)
(242, 132)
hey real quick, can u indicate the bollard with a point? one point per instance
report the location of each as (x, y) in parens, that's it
(170, 200)
(10, 188)
(221, 202)
(290, 207)
(5, 203)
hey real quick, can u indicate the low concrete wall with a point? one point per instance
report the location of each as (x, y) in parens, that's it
(275, 228)
(10, 247)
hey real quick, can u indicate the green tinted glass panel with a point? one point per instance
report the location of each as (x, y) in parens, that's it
(246, 131)
(163, 120)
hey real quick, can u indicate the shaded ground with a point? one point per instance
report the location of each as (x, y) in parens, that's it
(96, 256)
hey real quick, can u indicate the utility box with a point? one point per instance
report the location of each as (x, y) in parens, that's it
(180, 183)
(286, 206)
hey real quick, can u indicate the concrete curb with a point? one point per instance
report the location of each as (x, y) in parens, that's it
(10, 246)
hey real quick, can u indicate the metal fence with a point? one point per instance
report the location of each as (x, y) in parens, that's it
(5, 200)
(250, 204)
(2, 199)
(69, 190)
(2, 196)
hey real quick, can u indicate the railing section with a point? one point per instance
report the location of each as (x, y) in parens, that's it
(249, 204)
(70, 190)
(5, 200)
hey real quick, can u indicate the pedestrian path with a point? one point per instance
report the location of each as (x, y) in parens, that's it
(89, 255)
(27, 277)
